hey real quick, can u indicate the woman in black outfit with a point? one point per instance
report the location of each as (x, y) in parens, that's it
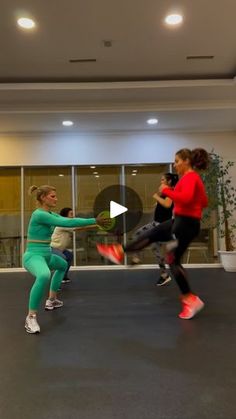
(163, 212)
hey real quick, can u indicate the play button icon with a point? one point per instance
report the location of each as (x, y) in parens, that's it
(116, 209)
(122, 204)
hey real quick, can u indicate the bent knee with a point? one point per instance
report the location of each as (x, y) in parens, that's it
(43, 278)
(62, 265)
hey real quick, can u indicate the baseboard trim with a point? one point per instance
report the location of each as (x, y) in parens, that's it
(121, 267)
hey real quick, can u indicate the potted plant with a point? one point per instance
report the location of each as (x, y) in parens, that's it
(222, 207)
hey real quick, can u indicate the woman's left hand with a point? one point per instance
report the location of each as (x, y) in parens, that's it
(103, 221)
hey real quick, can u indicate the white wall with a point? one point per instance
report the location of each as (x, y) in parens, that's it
(108, 149)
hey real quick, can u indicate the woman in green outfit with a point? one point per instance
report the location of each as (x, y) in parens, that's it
(38, 258)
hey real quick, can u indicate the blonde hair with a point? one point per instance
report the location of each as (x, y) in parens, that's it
(40, 191)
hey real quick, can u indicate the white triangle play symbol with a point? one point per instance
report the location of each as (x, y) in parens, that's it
(116, 209)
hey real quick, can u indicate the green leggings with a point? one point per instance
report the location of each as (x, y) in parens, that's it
(41, 266)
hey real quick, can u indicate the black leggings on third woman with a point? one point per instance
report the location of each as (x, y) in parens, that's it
(184, 229)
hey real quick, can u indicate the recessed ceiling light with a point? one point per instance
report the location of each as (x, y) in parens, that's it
(107, 43)
(61, 174)
(174, 19)
(97, 176)
(67, 123)
(95, 173)
(92, 167)
(152, 121)
(26, 23)
(133, 174)
(134, 170)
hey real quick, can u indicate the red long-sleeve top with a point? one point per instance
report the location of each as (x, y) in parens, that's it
(189, 195)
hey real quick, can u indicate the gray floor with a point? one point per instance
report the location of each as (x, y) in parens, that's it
(117, 350)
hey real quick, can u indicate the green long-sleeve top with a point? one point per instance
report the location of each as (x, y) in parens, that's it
(42, 224)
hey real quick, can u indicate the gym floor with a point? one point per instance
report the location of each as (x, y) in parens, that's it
(117, 349)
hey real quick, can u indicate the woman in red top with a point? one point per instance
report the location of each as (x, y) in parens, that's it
(189, 199)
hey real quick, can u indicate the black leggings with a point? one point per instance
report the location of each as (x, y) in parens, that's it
(184, 229)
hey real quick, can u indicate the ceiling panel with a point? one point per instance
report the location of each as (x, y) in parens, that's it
(144, 72)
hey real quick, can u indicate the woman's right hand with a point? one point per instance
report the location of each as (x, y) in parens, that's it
(156, 196)
(161, 187)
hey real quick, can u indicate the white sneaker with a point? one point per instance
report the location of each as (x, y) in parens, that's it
(66, 281)
(135, 260)
(31, 324)
(163, 280)
(51, 304)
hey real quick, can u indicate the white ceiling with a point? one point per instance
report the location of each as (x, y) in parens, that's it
(145, 73)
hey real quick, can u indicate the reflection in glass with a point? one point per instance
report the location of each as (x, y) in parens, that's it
(89, 185)
(89, 181)
(145, 180)
(59, 177)
(10, 255)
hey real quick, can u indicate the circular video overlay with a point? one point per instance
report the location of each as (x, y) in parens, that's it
(122, 204)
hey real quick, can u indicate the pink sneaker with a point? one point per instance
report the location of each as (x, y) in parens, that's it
(113, 252)
(191, 306)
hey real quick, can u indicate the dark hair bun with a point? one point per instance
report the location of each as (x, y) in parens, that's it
(200, 158)
(65, 211)
(172, 178)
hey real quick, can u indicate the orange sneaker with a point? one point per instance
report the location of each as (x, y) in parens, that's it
(191, 306)
(113, 252)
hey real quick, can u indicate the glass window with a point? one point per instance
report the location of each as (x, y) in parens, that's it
(145, 180)
(59, 177)
(90, 181)
(10, 205)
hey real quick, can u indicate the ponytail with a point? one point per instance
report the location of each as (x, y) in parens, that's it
(199, 158)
